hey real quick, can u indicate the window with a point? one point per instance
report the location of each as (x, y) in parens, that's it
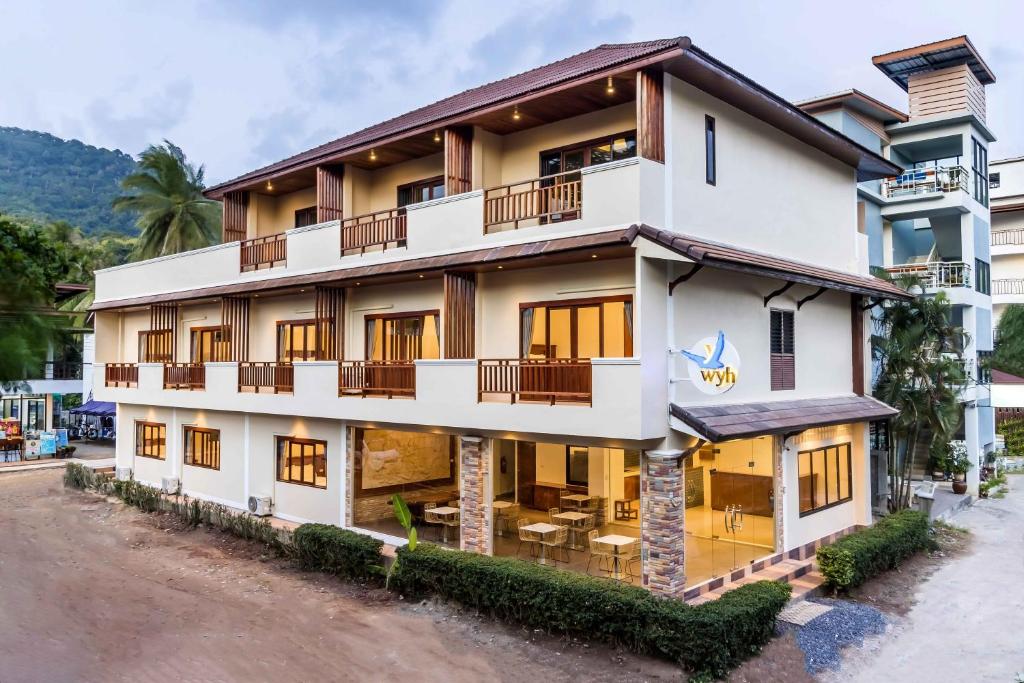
(580, 328)
(783, 361)
(577, 465)
(825, 477)
(296, 340)
(421, 191)
(582, 154)
(304, 217)
(202, 447)
(302, 461)
(979, 161)
(155, 346)
(403, 336)
(982, 276)
(209, 344)
(35, 414)
(993, 181)
(984, 367)
(710, 166)
(150, 440)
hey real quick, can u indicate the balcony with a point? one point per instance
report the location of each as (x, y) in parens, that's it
(387, 378)
(187, 376)
(920, 181)
(550, 380)
(935, 274)
(276, 377)
(263, 252)
(121, 374)
(379, 230)
(59, 370)
(1009, 287)
(1012, 237)
(548, 199)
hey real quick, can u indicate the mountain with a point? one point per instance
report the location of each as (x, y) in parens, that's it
(44, 177)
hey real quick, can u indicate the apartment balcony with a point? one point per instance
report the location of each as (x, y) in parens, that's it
(934, 274)
(609, 195)
(1008, 242)
(926, 193)
(600, 398)
(1008, 291)
(55, 377)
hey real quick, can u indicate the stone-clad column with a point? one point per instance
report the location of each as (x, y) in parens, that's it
(663, 510)
(474, 469)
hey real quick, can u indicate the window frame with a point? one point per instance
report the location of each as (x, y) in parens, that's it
(586, 147)
(839, 447)
(145, 345)
(782, 355)
(188, 447)
(220, 334)
(575, 305)
(383, 318)
(414, 186)
(141, 426)
(358, 491)
(309, 352)
(979, 168)
(280, 440)
(569, 481)
(710, 151)
(982, 276)
(305, 217)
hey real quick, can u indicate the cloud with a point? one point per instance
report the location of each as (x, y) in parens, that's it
(154, 118)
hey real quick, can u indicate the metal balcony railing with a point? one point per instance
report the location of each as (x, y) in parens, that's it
(1007, 237)
(919, 181)
(1008, 286)
(935, 273)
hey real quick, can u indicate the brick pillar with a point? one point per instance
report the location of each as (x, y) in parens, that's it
(663, 507)
(474, 474)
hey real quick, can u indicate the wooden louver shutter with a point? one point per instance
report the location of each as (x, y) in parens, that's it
(783, 365)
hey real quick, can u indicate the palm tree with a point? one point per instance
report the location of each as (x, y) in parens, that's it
(921, 375)
(167, 194)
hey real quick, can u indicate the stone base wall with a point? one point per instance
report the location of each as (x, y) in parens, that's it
(474, 460)
(663, 523)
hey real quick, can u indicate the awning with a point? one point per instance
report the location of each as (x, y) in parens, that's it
(101, 408)
(744, 420)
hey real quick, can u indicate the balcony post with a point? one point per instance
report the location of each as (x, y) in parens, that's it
(662, 502)
(459, 315)
(236, 216)
(234, 317)
(475, 477)
(330, 193)
(650, 114)
(458, 160)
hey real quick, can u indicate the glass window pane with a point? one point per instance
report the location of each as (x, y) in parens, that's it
(588, 332)
(624, 147)
(538, 348)
(560, 334)
(818, 470)
(600, 154)
(614, 330)
(806, 482)
(550, 164)
(431, 347)
(844, 472)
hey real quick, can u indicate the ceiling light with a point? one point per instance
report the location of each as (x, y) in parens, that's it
(437, 136)
(515, 114)
(270, 186)
(421, 277)
(610, 88)
(501, 267)
(373, 155)
(593, 256)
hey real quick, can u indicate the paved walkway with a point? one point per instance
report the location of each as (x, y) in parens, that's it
(965, 625)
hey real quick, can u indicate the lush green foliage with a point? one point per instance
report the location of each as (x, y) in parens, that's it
(166, 195)
(1013, 432)
(331, 549)
(80, 477)
(49, 179)
(709, 638)
(918, 352)
(854, 559)
(1009, 351)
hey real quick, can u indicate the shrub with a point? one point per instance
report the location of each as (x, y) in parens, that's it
(146, 498)
(854, 559)
(331, 549)
(708, 638)
(79, 477)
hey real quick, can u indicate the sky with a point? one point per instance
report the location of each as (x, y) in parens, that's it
(240, 84)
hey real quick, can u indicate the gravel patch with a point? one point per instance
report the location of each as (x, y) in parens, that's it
(823, 638)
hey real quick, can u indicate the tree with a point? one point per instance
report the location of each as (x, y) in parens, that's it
(920, 374)
(1009, 352)
(167, 195)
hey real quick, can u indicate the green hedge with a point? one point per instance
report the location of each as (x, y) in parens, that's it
(854, 559)
(327, 548)
(1013, 433)
(709, 638)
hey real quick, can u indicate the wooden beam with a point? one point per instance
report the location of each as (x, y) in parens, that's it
(330, 193)
(459, 314)
(234, 321)
(330, 323)
(650, 114)
(857, 328)
(236, 216)
(458, 160)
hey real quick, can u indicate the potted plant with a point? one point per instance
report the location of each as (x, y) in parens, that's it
(937, 461)
(958, 464)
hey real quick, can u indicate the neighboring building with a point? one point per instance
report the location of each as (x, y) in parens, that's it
(38, 402)
(1007, 395)
(487, 301)
(932, 221)
(1006, 183)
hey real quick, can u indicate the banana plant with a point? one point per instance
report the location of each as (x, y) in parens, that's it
(404, 517)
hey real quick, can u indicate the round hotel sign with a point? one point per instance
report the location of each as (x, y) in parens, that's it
(714, 364)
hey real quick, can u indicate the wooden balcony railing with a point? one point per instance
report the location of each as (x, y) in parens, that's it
(279, 377)
(189, 376)
(935, 273)
(384, 229)
(925, 181)
(377, 378)
(121, 374)
(1008, 286)
(552, 198)
(554, 380)
(1007, 237)
(58, 369)
(264, 252)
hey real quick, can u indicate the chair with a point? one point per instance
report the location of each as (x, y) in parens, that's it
(551, 515)
(634, 558)
(525, 536)
(506, 518)
(453, 503)
(557, 540)
(562, 505)
(598, 550)
(453, 522)
(432, 519)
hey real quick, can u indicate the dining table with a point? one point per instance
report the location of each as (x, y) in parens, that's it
(444, 513)
(622, 545)
(542, 529)
(577, 500)
(575, 521)
(499, 507)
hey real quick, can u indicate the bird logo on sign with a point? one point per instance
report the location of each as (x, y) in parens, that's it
(713, 358)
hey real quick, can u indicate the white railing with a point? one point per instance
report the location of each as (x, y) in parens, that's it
(918, 181)
(1008, 286)
(935, 273)
(1007, 237)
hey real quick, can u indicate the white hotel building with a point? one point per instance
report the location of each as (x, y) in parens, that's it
(483, 305)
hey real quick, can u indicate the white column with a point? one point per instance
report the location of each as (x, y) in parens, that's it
(974, 454)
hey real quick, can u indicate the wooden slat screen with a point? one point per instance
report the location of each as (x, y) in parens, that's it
(330, 193)
(459, 315)
(857, 325)
(650, 114)
(236, 216)
(783, 360)
(163, 330)
(946, 90)
(458, 160)
(330, 323)
(234, 321)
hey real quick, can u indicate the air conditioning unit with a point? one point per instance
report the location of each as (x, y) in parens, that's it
(260, 505)
(170, 484)
(123, 473)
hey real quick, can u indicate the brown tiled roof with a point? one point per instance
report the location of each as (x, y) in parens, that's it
(727, 257)
(1000, 377)
(743, 420)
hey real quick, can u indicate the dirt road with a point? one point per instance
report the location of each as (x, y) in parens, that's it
(965, 622)
(94, 591)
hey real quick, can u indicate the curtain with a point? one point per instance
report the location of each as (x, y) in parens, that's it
(627, 310)
(527, 332)
(437, 331)
(371, 338)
